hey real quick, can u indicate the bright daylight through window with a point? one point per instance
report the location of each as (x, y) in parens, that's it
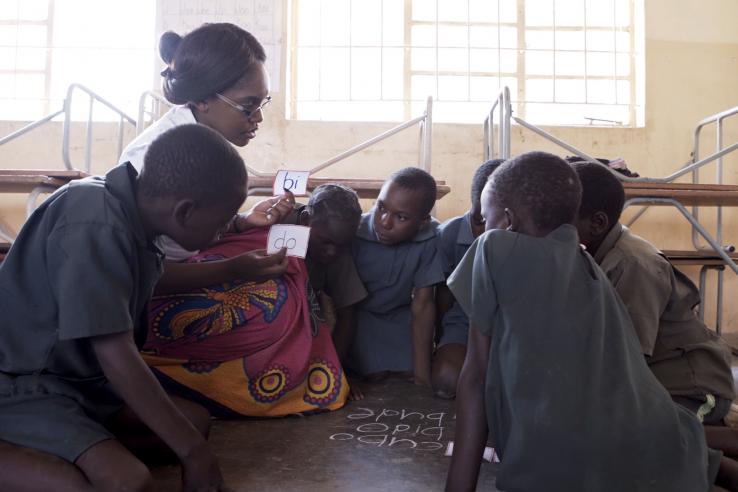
(45, 45)
(566, 62)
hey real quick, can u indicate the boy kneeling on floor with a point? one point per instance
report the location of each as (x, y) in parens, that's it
(77, 402)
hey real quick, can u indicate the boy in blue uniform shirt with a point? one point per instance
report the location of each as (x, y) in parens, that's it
(396, 256)
(74, 291)
(454, 238)
(553, 365)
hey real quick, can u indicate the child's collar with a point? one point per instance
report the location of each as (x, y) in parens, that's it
(465, 236)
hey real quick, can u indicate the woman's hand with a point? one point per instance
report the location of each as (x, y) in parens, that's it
(266, 212)
(258, 266)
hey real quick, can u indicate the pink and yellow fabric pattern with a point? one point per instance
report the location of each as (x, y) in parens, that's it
(246, 349)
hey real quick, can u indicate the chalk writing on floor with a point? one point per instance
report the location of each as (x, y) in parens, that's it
(397, 428)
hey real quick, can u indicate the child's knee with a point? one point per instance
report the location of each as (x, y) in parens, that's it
(136, 479)
(445, 376)
(129, 475)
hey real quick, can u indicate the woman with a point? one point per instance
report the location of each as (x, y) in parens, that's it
(232, 327)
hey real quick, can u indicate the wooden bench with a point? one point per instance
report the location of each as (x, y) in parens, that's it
(365, 188)
(27, 180)
(688, 194)
(34, 182)
(679, 257)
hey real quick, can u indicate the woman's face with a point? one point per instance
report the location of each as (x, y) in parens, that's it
(250, 92)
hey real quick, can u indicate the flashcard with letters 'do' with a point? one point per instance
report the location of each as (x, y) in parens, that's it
(293, 237)
(294, 181)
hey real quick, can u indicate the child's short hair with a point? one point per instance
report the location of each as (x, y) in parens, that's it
(334, 202)
(541, 184)
(480, 179)
(415, 179)
(192, 161)
(601, 190)
(209, 59)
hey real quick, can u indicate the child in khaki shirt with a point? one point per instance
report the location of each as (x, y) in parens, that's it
(689, 360)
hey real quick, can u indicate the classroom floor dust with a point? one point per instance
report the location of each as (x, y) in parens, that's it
(393, 440)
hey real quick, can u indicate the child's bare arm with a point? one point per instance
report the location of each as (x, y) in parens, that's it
(254, 265)
(423, 311)
(343, 333)
(471, 420)
(444, 302)
(137, 386)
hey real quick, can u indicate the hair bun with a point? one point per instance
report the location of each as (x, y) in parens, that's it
(168, 43)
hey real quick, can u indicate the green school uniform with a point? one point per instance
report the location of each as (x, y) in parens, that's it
(685, 356)
(570, 402)
(80, 268)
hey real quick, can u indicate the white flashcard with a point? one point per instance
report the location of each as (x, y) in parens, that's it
(489, 454)
(293, 237)
(294, 181)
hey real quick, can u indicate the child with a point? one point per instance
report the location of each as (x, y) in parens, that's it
(333, 214)
(454, 238)
(689, 360)
(75, 287)
(569, 400)
(396, 257)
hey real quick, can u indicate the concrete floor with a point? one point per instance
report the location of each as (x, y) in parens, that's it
(393, 440)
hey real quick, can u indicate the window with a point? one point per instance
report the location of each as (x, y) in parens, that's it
(45, 45)
(573, 62)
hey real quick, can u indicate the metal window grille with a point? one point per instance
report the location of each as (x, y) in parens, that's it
(45, 45)
(566, 61)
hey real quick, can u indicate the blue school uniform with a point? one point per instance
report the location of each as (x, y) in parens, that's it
(383, 340)
(454, 238)
(81, 267)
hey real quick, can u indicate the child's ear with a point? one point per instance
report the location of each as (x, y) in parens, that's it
(200, 106)
(182, 211)
(304, 218)
(512, 220)
(599, 224)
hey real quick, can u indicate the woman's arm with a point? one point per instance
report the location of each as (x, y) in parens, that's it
(423, 311)
(266, 212)
(471, 420)
(254, 265)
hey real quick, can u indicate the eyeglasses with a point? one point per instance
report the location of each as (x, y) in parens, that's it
(247, 112)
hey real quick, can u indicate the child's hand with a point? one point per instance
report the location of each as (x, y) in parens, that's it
(267, 212)
(200, 471)
(258, 266)
(355, 393)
